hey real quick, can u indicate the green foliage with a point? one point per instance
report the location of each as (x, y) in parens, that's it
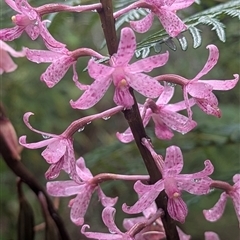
(211, 17)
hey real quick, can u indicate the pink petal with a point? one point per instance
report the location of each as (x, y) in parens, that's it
(80, 205)
(57, 70)
(223, 85)
(217, 210)
(235, 195)
(54, 170)
(149, 63)
(26, 9)
(83, 172)
(122, 97)
(180, 105)
(63, 188)
(161, 130)
(108, 219)
(145, 200)
(236, 178)
(6, 62)
(211, 236)
(173, 161)
(177, 209)
(126, 48)
(93, 94)
(144, 84)
(50, 42)
(141, 188)
(211, 62)
(9, 34)
(106, 201)
(26, 121)
(40, 144)
(166, 95)
(39, 56)
(126, 136)
(100, 236)
(182, 235)
(180, 4)
(142, 25)
(171, 22)
(55, 151)
(209, 106)
(196, 186)
(4, 46)
(199, 90)
(97, 70)
(12, 4)
(32, 31)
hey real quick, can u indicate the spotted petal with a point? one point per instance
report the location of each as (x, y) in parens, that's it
(142, 25)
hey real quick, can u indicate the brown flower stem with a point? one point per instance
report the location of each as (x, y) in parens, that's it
(222, 185)
(135, 122)
(27, 177)
(108, 25)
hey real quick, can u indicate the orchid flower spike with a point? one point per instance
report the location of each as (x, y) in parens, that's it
(216, 212)
(83, 188)
(59, 152)
(174, 183)
(123, 75)
(6, 63)
(201, 90)
(166, 13)
(29, 20)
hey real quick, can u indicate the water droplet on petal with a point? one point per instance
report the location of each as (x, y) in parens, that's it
(106, 118)
(45, 136)
(94, 10)
(88, 123)
(81, 129)
(196, 180)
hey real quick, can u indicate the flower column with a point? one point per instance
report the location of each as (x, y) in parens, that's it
(134, 120)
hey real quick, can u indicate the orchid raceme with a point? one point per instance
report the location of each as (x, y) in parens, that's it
(83, 188)
(123, 75)
(201, 90)
(216, 212)
(165, 10)
(6, 62)
(173, 183)
(28, 20)
(164, 115)
(59, 152)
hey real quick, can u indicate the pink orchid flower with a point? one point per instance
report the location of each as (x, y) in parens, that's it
(60, 61)
(166, 13)
(108, 219)
(59, 152)
(29, 20)
(216, 212)
(165, 117)
(6, 63)
(123, 75)
(173, 182)
(201, 90)
(83, 188)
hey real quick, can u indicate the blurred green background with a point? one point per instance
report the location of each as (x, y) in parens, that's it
(214, 139)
